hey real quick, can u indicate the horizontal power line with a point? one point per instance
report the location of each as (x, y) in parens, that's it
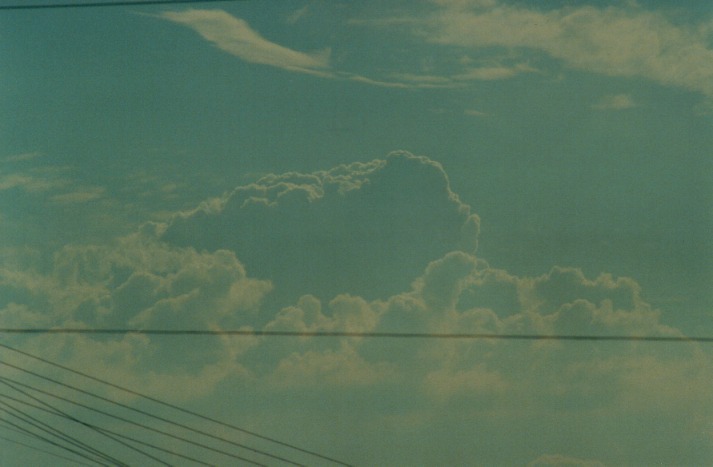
(392, 335)
(115, 3)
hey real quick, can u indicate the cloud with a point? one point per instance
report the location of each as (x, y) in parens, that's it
(81, 196)
(29, 183)
(492, 73)
(624, 41)
(22, 157)
(412, 240)
(235, 36)
(615, 102)
(136, 283)
(364, 228)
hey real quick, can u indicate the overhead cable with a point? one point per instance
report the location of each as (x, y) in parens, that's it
(388, 335)
(113, 3)
(172, 406)
(135, 423)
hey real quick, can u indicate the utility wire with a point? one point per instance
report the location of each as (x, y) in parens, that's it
(47, 6)
(54, 432)
(100, 429)
(157, 417)
(117, 417)
(172, 406)
(50, 441)
(390, 335)
(35, 448)
(55, 411)
(148, 414)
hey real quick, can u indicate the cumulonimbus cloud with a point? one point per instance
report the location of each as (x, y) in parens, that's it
(366, 228)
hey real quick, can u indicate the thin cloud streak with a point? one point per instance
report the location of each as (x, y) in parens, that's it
(235, 36)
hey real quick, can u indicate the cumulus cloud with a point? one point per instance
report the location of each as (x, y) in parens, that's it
(138, 284)
(216, 267)
(235, 36)
(569, 397)
(364, 228)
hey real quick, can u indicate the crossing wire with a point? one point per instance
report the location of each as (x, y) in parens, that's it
(126, 420)
(92, 453)
(99, 429)
(32, 434)
(57, 412)
(35, 448)
(172, 406)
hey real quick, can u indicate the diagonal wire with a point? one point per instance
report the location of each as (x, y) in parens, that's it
(157, 417)
(117, 417)
(58, 412)
(48, 429)
(175, 407)
(35, 448)
(32, 434)
(55, 411)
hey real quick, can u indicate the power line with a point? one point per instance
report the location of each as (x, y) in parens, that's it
(166, 404)
(49, 441)
(393, 335)
(35, 448)
(47, 6)
(57, 412)
(91, 453)
(132, 422)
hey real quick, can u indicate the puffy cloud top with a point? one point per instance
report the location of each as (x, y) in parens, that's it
(364, 228)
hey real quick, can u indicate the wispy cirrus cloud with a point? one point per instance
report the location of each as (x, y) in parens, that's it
(235, 36)
(615, 41)
(25, 156)
(79, 196)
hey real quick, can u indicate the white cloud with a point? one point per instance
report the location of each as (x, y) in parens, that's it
(491, 73)
(136, 283)
(552, 397)
(29, 183)
(627, 41)
(80, 196)
(26, 156)
(615, 102)
(235, 36)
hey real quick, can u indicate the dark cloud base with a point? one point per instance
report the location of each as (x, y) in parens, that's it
(365, 229)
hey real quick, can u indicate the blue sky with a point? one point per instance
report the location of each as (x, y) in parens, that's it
(444, 166)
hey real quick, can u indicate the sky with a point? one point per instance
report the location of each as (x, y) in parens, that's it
(445, 166)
